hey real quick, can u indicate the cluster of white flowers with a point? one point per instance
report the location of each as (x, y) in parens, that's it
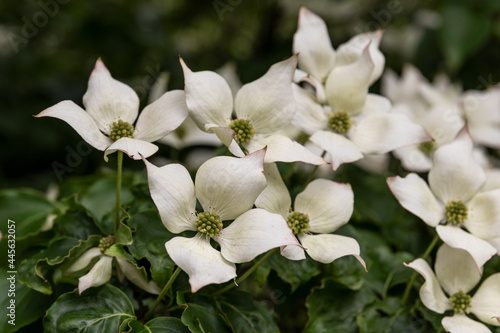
(245, 208)
(461, 197)
(443, 109)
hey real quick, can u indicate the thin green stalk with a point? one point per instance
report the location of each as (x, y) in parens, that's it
(286, 178)
(118, 189)
(163, 293)
(415, 273)
(387, 284)
(245, 275)
(311, 175)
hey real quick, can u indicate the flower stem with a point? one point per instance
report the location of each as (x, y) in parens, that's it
(118, 189)
(163, 292)
(311, 175)
(415, 273)
(245, 275)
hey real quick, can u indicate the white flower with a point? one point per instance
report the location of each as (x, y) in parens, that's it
(433, 106)
(480, 109)
(442, 123)
(341, 116)
(320, 209)
(111, 108)
(457, 275)
(441, 91)
(226, 188)
(101, 271)
(453, 201)
(187, 134)
(404, 90)
(263, 107)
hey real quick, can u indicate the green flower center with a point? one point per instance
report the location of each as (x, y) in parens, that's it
(460, 302)
(121, 129)
(243, 130)
(339, 122)
(456, 212)
(208, 224)
(106, 242)
(180, 132)
(427, 148)
(298, 222)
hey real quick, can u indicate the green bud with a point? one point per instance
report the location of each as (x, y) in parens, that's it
(106, 242)
(298, 222)
(339, 122)
(461, 302)
(456, 212)
(208, 223)
(243, 130)
(427, 148)
(121, 129)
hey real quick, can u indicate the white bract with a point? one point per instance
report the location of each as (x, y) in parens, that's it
(320, 209)
(187, 134)
(432, 105)
(341, 116)
(480, 109)
(111, 108)
(464, 216)
(455, 276)
(404, 90)
(226, 188)
(442, 123)
(102, 269)
(263, 107)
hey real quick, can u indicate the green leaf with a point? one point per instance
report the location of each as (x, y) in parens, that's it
(201, 316)
(261, 274)
(159, 325)
(376, 317)
(371, 321)
(412, 322)
(33, 271)
(374, 201)
(333, 308)
(429, 315)
(75, 221)
(293, 272)
(348, 271)
(98, 310)
(150, 236)
(100, 198)
(29, 304)
(123, 235)
(75, 253)
(462, 33)
(27, 208)
(376, 205)
(118, 251)
(386, 269)
(245, 314)
(166, 324)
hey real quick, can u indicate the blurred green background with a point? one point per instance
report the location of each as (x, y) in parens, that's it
(48, 49)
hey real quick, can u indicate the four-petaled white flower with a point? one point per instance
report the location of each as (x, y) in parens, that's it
(320, 209)
(341, 116)
(453, 200)
(226, 188)
(263, 107)
(427, 105)
(111, 108)
(102, 269)
(457, 275)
